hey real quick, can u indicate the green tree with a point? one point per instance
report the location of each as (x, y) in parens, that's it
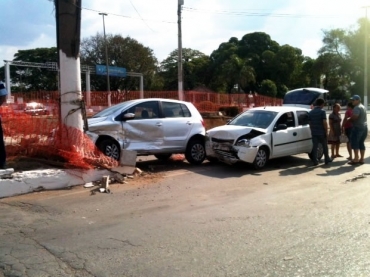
(253, 59)
(195, 69)
(268, 88)
(122, 52)
(343, 51)
(33, 78)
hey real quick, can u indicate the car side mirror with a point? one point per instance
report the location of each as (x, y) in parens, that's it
(124, 117)
(281, 127)
(128, 116)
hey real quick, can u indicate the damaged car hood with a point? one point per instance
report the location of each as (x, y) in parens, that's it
(95, 120)
(233, 131)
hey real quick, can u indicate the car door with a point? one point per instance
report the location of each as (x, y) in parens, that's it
(144, 133)
(177, 124)
(285, 141)
(304, 133)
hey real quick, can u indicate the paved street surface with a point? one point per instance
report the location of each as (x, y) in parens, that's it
(290, 219)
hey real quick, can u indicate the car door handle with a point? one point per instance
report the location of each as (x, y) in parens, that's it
(189, 122)
(294, 134)
(159, 124)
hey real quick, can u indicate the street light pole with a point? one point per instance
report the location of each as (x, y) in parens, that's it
(106, 57)
(179, 58)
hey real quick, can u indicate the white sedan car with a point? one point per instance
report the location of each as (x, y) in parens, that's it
(264, 133)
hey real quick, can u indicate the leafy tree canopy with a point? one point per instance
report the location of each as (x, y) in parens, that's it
(122, 52)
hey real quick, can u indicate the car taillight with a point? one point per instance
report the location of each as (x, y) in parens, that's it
(204, 125)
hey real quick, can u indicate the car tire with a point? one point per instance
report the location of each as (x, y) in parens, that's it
(110, 148)
(163, 157)
(320, 152)
(195, 151)
(261, 158)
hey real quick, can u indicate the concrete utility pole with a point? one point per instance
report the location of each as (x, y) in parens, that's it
(179, 59)
(68, 24)
(106, 59)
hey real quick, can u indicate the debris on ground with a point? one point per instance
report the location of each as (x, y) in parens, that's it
(177, 157)
(89, 185)
(6, 173)
(118, 178)
(361, 176)
(137, 171)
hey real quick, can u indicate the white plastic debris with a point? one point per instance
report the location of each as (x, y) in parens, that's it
(88, 185)
(138, 171)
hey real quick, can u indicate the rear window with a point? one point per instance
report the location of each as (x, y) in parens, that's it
(302, 97)
(171, 109)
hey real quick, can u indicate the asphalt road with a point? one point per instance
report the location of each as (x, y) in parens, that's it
(290, 219)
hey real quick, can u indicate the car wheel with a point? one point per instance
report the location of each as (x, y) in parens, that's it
(163, 157)
(110, 148)
(320, 152)
(261, 158)
(195, 152)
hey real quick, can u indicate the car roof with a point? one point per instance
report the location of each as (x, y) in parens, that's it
(136, 101)
(279, 108)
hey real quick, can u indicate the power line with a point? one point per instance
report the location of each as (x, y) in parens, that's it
(259, 13)
(140, 16)
(236, 13)
(126, 16)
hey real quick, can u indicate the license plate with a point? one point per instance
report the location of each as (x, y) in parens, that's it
(221, 147)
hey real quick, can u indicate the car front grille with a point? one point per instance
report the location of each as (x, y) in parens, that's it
(224, 141)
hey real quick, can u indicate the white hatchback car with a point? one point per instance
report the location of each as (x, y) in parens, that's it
(151, 126)
(264, 133)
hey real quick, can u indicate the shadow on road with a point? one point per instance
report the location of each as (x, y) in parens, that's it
(292, 165)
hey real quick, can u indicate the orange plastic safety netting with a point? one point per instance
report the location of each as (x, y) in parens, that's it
(42, 136)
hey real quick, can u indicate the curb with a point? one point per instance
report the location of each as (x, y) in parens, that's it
(47, 179)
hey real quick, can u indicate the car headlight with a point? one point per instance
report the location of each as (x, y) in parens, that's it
(243, 142)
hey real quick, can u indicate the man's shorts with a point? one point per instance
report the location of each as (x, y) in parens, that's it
(358, 136)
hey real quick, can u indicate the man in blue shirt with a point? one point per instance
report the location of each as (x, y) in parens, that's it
(3, 94)
(319, 131)
(359, 130)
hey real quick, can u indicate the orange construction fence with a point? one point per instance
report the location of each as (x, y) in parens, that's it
(44, 136)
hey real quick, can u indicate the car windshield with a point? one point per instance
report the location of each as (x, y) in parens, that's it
(257, 119)
(111, 110)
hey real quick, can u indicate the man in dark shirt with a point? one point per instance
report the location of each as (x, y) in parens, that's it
(319, 131)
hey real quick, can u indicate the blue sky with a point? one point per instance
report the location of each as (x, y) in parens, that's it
(27, 24)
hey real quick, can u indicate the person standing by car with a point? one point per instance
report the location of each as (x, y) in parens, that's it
(347, 128)
(319, 130)
(359, 131)
(3, 94)
(335, 131)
